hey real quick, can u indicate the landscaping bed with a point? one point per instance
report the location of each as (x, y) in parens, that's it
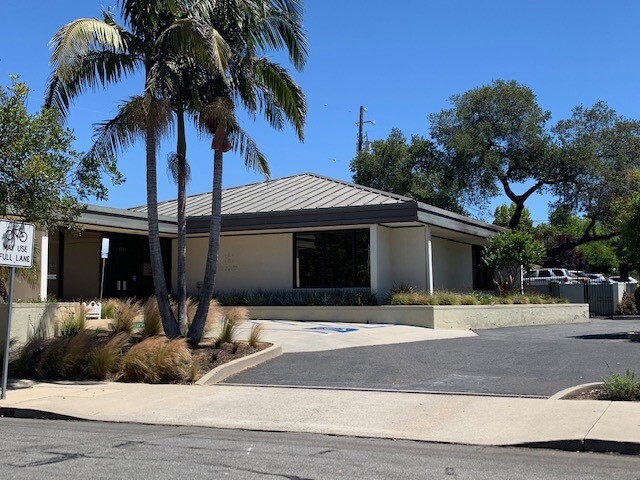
(614, 387)
(131, 347)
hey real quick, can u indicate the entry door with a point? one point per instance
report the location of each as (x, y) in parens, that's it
(123, 267)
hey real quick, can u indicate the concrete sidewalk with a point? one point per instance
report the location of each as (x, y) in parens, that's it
(567, 424)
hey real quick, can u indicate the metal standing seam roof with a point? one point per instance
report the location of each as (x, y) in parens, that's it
(305, 191)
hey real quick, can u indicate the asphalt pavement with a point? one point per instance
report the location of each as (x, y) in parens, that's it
(525, 361)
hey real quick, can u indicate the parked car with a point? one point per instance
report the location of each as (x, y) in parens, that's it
(545, 276)
(591, 278)
(618, 280)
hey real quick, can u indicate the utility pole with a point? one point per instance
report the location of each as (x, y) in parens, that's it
(360, 123)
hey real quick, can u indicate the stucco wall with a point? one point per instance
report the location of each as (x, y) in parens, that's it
(82, 265)
(408, 265)
(462, 317)
(380, 248)
(452, 265)
(29, 317)
(246, 262)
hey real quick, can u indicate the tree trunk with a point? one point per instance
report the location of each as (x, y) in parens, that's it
(181, 151)
(206, 291)
(517, 215)
(169, 323)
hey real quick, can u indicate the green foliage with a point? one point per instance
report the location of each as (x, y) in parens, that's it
(417, 170)
(600, 256)
(417, 297)
(503, 214)
(508, 251)
(621, 387)
(325, 297)
(627, 305)
(42, 178)
(628, 214)
(73, 322)
(497, 138)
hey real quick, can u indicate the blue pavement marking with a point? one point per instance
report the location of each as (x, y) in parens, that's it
(333, 329)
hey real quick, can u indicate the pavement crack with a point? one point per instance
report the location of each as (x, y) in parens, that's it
(129, 443)
(323, 452)
(584, 439)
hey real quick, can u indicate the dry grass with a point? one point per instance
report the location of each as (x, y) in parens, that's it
(233, 318)
(156, 360)
(152, 319)
(125, 314)
(214, 315)
(105, 360)
(108, 308)
(416, 297)
(255, 335)
(68, 356)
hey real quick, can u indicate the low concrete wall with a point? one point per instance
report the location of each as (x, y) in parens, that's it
(28, 317)
(463, 317)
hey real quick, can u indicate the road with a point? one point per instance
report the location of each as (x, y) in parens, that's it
(536, 361)
(34, 449)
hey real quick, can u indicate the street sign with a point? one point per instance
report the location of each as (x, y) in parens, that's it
(16, 247)
(104, 250)
(16, 250)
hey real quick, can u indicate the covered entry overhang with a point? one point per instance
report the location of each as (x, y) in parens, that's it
(70, 263)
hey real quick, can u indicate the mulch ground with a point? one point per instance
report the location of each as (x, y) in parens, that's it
(209, 357)
(595, 394)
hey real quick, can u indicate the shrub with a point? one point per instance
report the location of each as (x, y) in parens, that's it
(156, 360)
(627, 306)
(213, 317)
(621, 387)
(416, 297)
(255, 335)
(73, 322)
(324, 297)
(636, 295)
(151, 318)
(104, 360)
(125, 314)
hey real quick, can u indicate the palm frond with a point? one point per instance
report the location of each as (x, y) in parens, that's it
(246, 147)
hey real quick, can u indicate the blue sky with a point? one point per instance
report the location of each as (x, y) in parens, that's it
(402, 60)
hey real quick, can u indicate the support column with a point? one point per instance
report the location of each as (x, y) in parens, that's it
(373, 258)
(44, 265)
(428, 259)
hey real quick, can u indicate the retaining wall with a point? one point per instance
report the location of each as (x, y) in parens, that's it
(28, 317)
(463, 317)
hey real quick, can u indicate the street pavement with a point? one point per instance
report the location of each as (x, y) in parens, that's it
(529, 361)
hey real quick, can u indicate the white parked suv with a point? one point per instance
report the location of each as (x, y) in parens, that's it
(545, 276)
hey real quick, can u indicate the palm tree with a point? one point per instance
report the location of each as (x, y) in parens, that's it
(88, 53)
(260, 86)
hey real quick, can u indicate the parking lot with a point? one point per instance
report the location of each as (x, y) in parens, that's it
(527, 361)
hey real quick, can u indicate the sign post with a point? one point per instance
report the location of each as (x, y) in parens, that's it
(16, 251)
(104, 254)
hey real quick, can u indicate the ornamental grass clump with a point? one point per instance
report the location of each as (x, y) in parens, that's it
(255, 335)
(105, 360)
(158, 360)
(125, 314)
(73, 322)
(233, 318)
(68, 357)
(621, 387)
(152, 321)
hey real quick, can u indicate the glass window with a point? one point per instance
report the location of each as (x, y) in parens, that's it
(544, 273)
(482, 275)
(558, 273)
(336, 259)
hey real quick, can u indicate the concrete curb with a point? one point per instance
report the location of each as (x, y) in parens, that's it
(226, 370)
(577, 390)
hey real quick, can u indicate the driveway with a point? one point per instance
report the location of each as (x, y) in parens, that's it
(530, 361)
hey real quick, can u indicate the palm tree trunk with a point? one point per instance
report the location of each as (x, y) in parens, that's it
(181, 151)
(169, 323)
(208, 283)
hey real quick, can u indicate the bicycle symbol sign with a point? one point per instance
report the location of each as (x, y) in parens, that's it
(16, 248)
